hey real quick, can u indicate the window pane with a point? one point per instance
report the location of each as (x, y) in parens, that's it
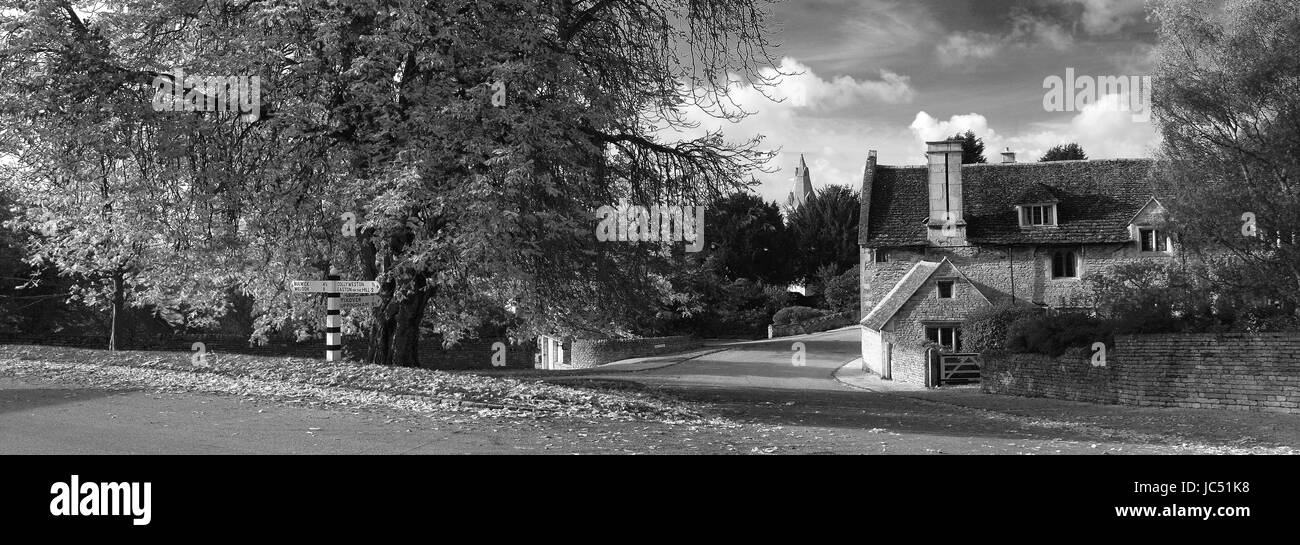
(1056, 265)
(1070, 265)
(1148, 240)
(1047, 214)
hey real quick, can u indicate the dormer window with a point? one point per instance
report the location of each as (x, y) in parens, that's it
(1153, 240)
(1037, 215)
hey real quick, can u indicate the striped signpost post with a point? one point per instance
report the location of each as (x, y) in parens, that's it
(339, 294)
(333, 321)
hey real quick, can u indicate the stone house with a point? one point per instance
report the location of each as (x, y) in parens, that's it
(940, 240)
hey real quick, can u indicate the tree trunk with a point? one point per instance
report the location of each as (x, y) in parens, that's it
(119, 303)
(395, 337)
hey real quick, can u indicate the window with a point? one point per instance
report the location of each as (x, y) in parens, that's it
(1038, 215)
(1065, 265)
(945, 289)
(1153, 240)
(949, 336)
(882, 255)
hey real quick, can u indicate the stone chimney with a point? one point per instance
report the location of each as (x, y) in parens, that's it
(947, 223)
(868, 179)
(1008, 156)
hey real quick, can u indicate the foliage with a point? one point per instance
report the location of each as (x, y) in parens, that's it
(972, 148)
(383, 109)
(1151, 297)
(842, 293)
(748, 239)
(714, 307)
(987, 328)
(1064, 152)
(794, 315)
(1053, 335)
(825, 232)
(1224, 99)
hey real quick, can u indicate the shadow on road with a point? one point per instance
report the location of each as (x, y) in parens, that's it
(22, 399)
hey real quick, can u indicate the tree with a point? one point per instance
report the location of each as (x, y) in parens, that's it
(1064, 152)
(1225, 102)
(825, 232)
(972, 148)
(748, 239)
(471, 139)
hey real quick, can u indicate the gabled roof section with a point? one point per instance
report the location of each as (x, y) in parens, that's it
(902, 291)
(969, 283)
(1151, 208)
(1096, 202)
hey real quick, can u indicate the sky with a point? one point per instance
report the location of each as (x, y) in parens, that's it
(888, 75)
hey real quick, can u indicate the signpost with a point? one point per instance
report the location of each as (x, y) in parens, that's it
(358, 301)
(358, 295)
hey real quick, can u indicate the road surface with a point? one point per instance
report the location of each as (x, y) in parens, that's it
(779, 404)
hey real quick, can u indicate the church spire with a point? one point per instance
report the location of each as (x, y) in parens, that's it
(802, 184)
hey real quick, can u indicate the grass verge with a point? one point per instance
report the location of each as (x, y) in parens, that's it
(349, 384)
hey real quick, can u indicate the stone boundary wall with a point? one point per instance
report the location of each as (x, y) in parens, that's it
(1236, 371)
(815, 325)
(586, 353)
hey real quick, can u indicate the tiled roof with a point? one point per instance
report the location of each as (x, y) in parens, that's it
(897, 297)
(1096, 201)
(1038, 194)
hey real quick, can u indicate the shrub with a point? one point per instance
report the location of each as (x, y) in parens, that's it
(986, 328)
(842, 293)
(1257, 319)
(791, 315)
(1053, 335)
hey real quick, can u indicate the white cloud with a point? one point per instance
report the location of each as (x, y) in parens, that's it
(929, 129)
(833, 145)
(805, 89)
(1102, 129)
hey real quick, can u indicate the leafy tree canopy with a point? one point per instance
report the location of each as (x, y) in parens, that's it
(1064, 152)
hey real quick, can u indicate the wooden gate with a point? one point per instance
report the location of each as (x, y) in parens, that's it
(959, 368)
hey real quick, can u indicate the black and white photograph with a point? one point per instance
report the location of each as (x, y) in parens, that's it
(321, 229)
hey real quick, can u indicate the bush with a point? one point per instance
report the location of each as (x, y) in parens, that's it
(986, 328)
(1053, 335)
(842, 293)
(1259, 319)
(791, 315)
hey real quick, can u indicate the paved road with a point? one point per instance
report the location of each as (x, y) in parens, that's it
(782, 408)
(760, 382)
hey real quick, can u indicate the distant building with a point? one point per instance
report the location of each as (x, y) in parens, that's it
(803, 188)
(802, 191)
